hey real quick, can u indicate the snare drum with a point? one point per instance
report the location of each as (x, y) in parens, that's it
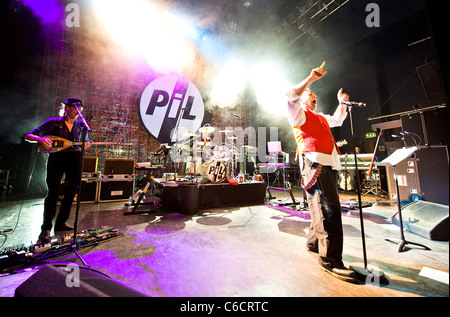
(215, 171)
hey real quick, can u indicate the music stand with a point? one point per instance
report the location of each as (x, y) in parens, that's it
(393, 160)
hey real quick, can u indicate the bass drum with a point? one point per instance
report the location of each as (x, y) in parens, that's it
(215, 171)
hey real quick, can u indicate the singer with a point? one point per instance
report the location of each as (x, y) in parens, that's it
(66, 161)
(319, 165)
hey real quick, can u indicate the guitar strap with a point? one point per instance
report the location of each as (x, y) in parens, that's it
(313, 179)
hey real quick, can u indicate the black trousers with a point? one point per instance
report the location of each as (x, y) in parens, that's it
(325, 233)
(58, 164)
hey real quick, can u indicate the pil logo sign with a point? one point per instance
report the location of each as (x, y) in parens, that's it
(171, 107)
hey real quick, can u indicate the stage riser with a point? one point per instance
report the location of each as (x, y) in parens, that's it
(191, 198)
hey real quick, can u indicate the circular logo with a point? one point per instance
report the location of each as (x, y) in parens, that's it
(171, 108)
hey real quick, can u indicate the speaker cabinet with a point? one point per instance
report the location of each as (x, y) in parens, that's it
(90, 164)
(432, 168)
(89, 190)
(426, 127)
(428, 220)
(118, 166)
(423, 176)
(408, 181)
(58, 281)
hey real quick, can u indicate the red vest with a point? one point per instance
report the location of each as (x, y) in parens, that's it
(314, 135)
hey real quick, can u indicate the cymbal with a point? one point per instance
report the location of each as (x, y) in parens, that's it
(226, 131)
(206, 129)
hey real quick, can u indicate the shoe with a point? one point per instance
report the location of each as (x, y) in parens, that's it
(44, 237)
(340, 272)
(63, 227)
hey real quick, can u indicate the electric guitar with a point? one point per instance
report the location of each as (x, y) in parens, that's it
(60, 144)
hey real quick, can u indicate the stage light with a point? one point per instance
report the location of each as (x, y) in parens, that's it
(270, 87)
(140, 27)
(229, 84)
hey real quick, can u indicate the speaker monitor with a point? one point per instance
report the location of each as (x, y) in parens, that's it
(51, 281)
(426, 219)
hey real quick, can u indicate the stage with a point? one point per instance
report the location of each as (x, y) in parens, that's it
(233, 251)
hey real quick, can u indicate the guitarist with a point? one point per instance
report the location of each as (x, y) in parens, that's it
(64, 162)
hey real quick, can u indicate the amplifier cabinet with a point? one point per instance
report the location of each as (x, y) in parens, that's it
(425, 176)
(89, 190)
(116, 187)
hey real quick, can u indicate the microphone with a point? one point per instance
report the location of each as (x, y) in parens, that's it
(354, 103)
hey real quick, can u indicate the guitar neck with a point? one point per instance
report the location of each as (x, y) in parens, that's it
(102, 143)
(60, 144)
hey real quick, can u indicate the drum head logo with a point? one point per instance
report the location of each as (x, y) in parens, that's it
(171, 108)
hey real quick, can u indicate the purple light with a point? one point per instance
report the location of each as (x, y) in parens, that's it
(49, 11)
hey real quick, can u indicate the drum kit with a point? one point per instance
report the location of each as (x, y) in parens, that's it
(214, 160)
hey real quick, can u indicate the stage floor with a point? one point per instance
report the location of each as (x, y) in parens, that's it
(251, 251)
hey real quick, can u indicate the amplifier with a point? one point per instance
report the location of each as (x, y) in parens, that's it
(116, 187)
(90, 164)
(118, 166)
(89, 190)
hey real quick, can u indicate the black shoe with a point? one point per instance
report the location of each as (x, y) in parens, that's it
(44, 237)
(63, 227)
(340, 272)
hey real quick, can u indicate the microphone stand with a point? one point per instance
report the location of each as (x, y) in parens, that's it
(84, 129)
(364, 272)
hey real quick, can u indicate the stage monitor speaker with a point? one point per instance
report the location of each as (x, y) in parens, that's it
(425, 219)
(51, 281)
(90, 164)
(118, 166)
